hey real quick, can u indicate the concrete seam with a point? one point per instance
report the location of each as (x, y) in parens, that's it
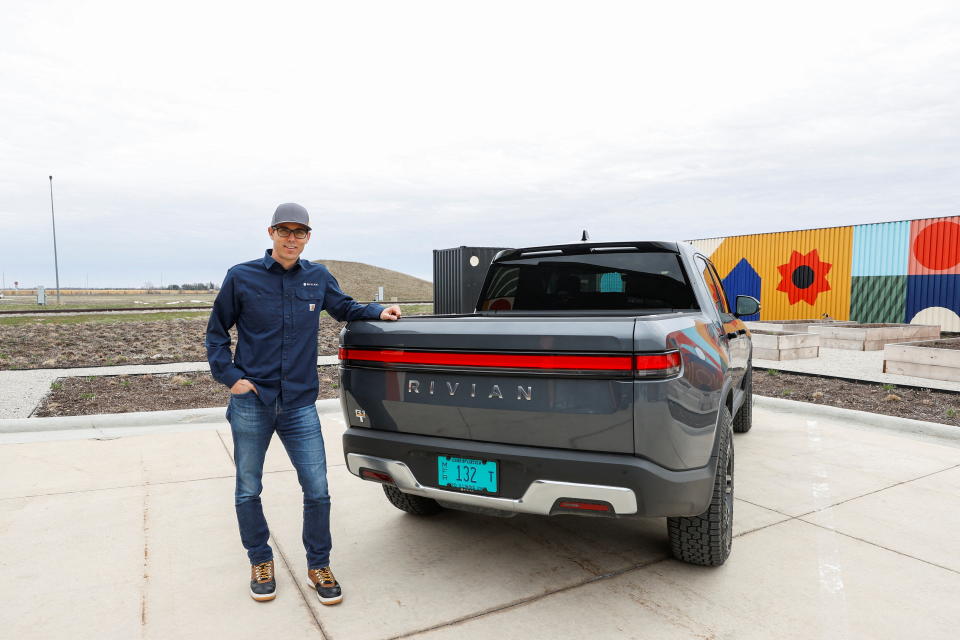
(765, 507)
(125, 486)
(880, 546)
(525, 601)
(559, 550)
(283, 558)
(226, 449)
(787, 518)
(43, 398)
(146, 552)
(299, 587)
(767, 526)
(870, 493)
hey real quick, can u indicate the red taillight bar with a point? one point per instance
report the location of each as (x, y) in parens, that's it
(496, 360)
(647, 364)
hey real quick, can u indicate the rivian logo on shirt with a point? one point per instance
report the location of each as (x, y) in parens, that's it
(311, 284)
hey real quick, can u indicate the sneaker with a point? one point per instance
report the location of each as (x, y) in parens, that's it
(328, 589)
(263, 584)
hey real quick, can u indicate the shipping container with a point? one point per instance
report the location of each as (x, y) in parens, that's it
(906, 271)
(458, 275)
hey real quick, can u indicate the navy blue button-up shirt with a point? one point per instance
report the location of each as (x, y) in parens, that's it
(277, 313)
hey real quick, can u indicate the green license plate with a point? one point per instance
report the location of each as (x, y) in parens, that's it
(467, 473)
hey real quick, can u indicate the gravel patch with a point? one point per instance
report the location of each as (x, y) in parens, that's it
(57, 346)
(90, 395)
(929, 405)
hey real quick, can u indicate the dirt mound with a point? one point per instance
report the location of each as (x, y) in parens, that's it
(361, 281)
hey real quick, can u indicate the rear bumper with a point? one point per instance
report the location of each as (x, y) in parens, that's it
(533, 479)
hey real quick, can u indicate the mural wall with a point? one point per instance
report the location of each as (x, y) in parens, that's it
(906, 271)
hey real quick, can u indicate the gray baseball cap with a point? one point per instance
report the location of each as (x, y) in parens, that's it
(291, 212)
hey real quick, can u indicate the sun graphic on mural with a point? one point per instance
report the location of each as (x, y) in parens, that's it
(804, 277)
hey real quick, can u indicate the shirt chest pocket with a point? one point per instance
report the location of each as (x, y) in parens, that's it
(262, 311)
(308, 301)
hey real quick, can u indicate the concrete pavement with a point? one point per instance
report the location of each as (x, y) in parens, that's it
(842, 532)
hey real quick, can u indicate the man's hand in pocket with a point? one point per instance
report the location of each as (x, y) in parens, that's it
(242, 386)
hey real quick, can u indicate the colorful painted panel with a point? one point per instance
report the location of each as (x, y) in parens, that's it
(802, 274)
(934, 300)
(881, 249)
(742, 281)
(878, 298)
(935, 246)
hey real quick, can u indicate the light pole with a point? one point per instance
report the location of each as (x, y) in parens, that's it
(53, 219)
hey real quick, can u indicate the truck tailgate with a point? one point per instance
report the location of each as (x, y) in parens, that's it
(541, 381)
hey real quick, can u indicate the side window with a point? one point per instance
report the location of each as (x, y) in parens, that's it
(713, 285)
(720, 291)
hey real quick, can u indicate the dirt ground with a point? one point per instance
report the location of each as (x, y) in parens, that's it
(940, 344)
(55, 346)
(905, 402)
(91, 395)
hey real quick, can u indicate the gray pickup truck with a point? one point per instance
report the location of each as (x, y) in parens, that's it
(598, 379)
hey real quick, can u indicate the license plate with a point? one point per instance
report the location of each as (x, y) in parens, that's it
(467, 473)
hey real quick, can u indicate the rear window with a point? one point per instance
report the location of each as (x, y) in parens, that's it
(611, 281)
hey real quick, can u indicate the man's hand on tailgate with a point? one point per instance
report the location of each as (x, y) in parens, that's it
(390, 313)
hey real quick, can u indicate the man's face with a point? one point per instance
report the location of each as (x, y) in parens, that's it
(287, 250)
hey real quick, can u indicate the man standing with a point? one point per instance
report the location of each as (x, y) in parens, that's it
(275, 303)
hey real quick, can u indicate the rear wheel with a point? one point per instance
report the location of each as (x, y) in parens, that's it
(706, 539)
(744, 419)
(417, 505)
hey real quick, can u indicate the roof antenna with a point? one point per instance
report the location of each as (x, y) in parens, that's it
(585, 237)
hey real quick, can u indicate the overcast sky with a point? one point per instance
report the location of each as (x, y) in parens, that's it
(174, 129)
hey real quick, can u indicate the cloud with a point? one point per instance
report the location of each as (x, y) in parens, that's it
(173, 133)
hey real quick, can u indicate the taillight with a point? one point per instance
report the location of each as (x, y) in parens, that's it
(656, 365)
(584, 506)
(376, 476)
(342, 353)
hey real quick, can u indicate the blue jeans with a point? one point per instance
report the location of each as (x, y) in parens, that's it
(253, 424)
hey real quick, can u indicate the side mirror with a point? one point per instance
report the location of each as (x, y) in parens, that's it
(747, 306)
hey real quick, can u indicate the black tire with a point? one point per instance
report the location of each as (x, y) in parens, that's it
(744, 418)
(417, 505)
(706, 539)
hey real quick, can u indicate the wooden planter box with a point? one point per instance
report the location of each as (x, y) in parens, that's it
(935, 359)
(781, 345)
(793, 326)
(872, 337)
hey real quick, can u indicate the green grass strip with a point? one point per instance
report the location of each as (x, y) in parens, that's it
(101, 318)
